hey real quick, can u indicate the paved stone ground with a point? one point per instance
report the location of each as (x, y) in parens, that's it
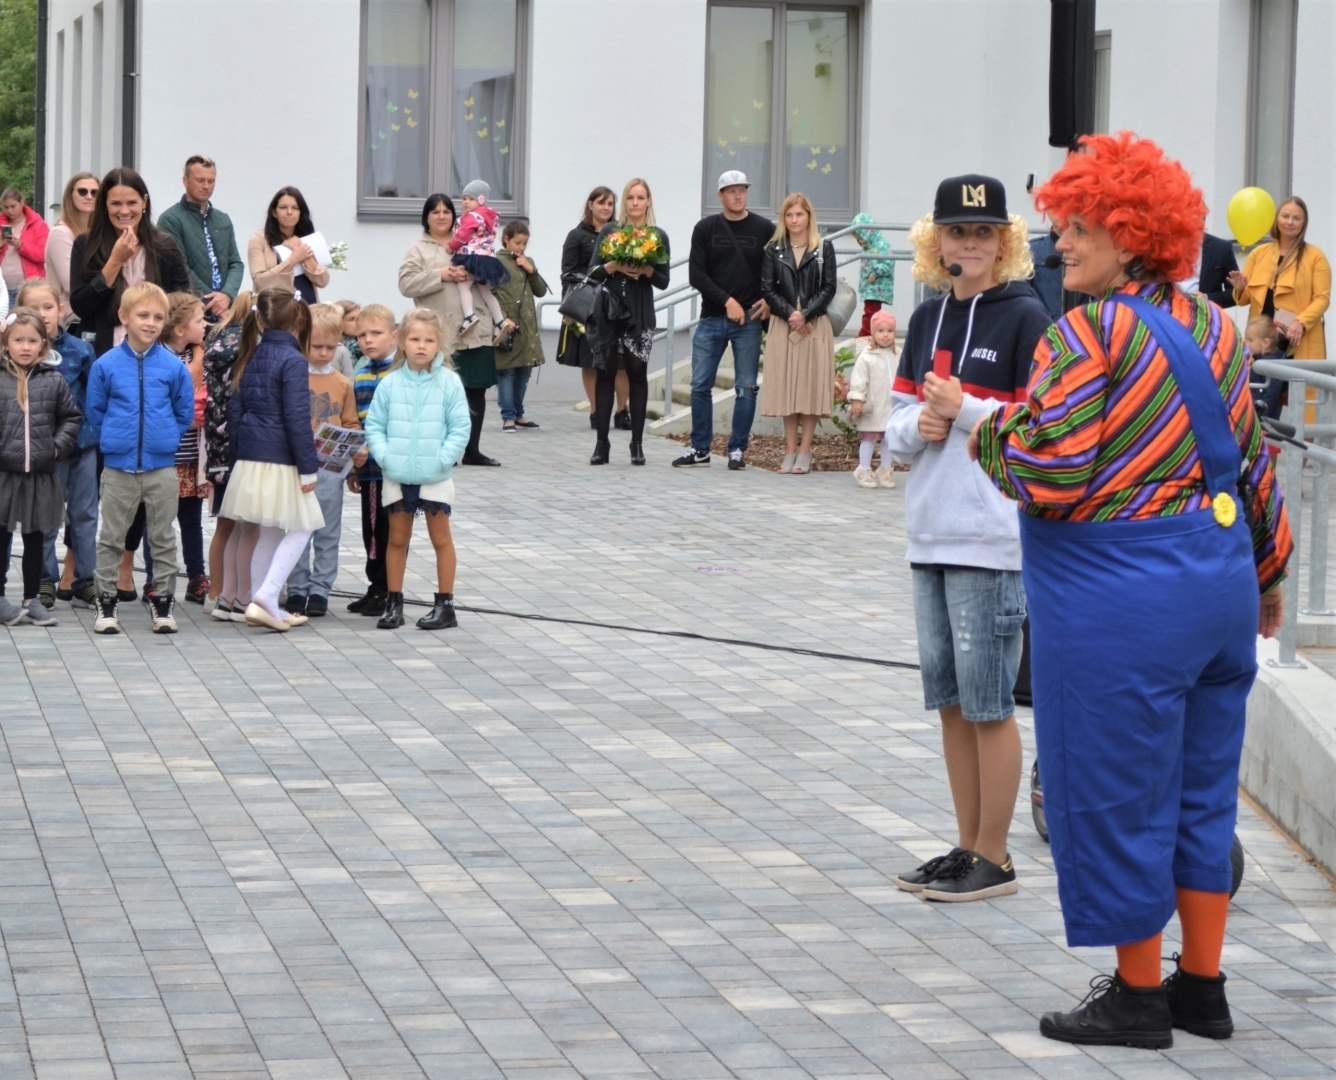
(538, 850)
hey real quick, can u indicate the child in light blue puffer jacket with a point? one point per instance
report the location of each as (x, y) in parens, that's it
(416, 428)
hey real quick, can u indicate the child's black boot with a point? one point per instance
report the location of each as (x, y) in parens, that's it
(394, 612)
(442, 614)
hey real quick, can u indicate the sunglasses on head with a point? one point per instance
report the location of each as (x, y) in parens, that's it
(85, 191)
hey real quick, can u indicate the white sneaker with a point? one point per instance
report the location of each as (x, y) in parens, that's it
(864, 478)
(222, 610)
(106, 621)
(884, 477)
(210, 602)
(162, 608)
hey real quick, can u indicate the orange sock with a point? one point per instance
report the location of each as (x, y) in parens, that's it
(1139, 962)
(1203, 917)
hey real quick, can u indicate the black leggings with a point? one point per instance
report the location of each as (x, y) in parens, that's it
(32, 562)
(637, 375)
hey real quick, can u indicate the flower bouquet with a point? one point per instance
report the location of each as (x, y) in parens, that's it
(634, 245)
(338, 255)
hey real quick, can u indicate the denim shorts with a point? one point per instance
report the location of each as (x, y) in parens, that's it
(969, 638)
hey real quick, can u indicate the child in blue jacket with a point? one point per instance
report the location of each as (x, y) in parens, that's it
(140, 402)
(416, 429)
(73, 358)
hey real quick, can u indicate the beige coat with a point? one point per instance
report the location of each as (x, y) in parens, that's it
(264, 273)
(870, 382)
(58, 247)
(420, 281)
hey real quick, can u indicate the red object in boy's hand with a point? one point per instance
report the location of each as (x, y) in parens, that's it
(941, 364)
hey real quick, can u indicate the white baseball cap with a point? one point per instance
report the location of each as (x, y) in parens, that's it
(733, 178)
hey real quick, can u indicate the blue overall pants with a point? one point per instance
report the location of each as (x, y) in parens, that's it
(1143, 647)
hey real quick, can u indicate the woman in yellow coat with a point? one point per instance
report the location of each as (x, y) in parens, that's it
(1289, 280)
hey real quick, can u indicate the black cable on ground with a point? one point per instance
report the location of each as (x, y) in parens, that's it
(686, 634)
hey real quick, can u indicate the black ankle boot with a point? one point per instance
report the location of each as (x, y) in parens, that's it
(373, 604)
(442, 614)
(394, 612)
(1197, 1003)
(637, 452)
(622, 420)
(602, 449)
(1115, 1014)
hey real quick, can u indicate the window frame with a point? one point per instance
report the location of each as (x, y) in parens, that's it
(778, 116)
(440, 91)
(1255, 46)
(1103, 80)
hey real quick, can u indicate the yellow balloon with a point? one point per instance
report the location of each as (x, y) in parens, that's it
(1251, 213)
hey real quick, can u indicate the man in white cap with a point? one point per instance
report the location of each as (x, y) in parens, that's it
(725, 269)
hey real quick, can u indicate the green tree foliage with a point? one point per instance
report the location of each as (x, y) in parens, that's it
(18, 82)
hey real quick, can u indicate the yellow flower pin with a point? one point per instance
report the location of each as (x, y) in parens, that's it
(1225, 509)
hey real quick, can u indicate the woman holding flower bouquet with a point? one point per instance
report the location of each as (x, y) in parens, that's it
(631, 261)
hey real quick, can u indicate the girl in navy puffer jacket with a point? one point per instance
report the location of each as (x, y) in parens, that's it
(271, 490)
(416, 429)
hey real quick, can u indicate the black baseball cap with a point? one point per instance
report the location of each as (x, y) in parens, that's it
(962, 199)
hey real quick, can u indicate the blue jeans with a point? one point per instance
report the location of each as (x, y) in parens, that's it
(969, 638)
(510, 387)
(78, 480)
(712, 335)
(314, 575)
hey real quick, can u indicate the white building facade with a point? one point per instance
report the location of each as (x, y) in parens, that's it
(368, 105)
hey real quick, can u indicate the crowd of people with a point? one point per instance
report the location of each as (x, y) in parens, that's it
(140, 380)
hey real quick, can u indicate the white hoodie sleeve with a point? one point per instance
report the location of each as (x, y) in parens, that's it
(902, 432)
(973, 409)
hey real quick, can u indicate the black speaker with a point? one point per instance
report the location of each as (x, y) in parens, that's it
(1071, 72)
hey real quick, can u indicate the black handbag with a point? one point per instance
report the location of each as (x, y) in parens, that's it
(578, 304)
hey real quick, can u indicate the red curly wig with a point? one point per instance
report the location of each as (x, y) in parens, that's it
(1146, 200)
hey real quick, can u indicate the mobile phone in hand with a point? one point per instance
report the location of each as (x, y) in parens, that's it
(753, 310)
(6, 233)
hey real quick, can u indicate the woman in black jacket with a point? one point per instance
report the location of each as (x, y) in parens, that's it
(798, 282)
(121, 247)
(623, 342)
(577, 252)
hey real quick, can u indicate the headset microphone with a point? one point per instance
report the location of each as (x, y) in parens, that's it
(955, 270)
(1052, 262)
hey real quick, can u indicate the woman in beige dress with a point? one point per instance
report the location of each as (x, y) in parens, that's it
(798, 281)
(76, 209)
(277, 255)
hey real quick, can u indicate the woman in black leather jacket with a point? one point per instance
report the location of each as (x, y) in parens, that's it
(798, 282)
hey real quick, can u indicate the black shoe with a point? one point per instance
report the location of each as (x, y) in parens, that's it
(478, 459)
(1197, 1003)
(83, 595)
(150, 590)
(692, 458)
(442, 614)
(126, 596)
(593, 421)
(735, 461)
(916, 881)
(197, 589)
(1115, 1014)
(374, 606)
(637, 453)
(394, 612)
(357, 605)
(602, 448)
(622, 420)
(972, 877)
(296, 605)
(46, 593)
(64, 594)
(317, 607)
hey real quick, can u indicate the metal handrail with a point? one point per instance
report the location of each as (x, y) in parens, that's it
(1293, 436)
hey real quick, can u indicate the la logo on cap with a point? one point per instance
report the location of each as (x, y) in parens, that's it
(973, 196)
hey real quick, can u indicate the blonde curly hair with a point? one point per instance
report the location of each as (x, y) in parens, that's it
(1016, 262)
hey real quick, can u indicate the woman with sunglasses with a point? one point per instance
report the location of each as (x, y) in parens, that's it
(76, 210)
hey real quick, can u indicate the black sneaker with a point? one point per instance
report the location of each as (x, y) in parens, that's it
(46, 593)
(916, 881)
(296, 605)
(317, 607)
(735, 461)
(197, 590)
(357, 605)
(691, 458)
(150, 591)
(1197, 1003)
(83, 595)
(972, 877)
(1115, 1014)
(375, 603)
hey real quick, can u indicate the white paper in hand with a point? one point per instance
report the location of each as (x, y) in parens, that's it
(319, 248)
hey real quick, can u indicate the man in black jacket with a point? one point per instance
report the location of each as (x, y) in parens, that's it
(1217, 263)
(725, 268)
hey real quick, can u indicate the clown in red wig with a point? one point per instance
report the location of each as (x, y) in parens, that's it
(1151, 524)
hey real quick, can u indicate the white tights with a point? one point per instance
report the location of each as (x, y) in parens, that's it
(865, 453)
(465, 288)
(276, 553)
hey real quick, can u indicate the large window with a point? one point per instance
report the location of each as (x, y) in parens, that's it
(440, 101)
(781, 102)
(1271, 96)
